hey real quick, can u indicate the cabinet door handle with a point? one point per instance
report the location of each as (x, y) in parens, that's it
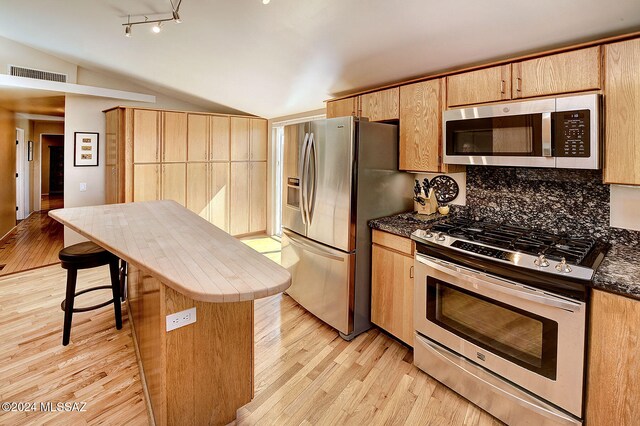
(411, 272)
(502, 86)
(518, 84)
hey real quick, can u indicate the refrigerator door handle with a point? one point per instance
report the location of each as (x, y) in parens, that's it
(302, 192)
(312, 196)
(314, 247)
(305, 178)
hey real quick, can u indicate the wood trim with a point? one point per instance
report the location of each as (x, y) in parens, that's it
(217, 114)
(505, 61)
(395, 242)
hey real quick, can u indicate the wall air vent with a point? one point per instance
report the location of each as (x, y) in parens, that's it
(37, 74)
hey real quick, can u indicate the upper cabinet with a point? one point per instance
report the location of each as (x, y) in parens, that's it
(622, 102)
(208, 138)
(421, 106)
(146, 136)
(174, 137)
(568, 72)
(248, 139)
(344, 107)
(381, 105)
(476, 87)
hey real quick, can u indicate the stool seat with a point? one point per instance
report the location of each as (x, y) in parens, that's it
(84, 255)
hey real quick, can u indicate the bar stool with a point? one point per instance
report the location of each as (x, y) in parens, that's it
(84, 256)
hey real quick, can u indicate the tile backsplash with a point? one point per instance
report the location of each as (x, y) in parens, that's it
(557, 200)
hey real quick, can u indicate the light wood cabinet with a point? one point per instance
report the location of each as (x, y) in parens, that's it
(239, 198)
(174, 137)
(198, 189)
(146, 182)
(174, 182)
(476, 87)
(198, 137)
(622, 103)
(258, 196)
(613, 362)
(220, 138)
(574, 71)
(392, 285)
(114, 158)
(344, 107)
(146, 136)
(381, 105)
(258, 140)
(218, 199)
(240, 128)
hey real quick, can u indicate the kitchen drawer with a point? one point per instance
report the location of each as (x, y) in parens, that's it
(395, 242)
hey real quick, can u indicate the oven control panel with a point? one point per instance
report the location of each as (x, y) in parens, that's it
(483, 250)
(571, 133)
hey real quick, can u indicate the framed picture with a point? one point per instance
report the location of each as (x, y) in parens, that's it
(30, 151)
(85, 148)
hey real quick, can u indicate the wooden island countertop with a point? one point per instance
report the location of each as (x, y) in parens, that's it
(180, 248)
(202, 372)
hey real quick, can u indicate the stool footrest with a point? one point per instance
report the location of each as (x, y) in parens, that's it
(90, 308)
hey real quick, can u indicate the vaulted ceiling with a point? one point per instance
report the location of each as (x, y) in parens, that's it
(290, 55)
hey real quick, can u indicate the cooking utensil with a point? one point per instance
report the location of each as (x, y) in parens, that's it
(426, 186)
(416, 188)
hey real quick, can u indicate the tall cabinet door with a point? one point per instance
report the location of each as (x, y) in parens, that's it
(112, 194)
(198, 137)
(146, 136)
(240, 139)
(239, 201)
(174, 181)
(197, 188)
(174, 137)
(258, 196)
(258, 140)
(220, 138)
(146, 182)
(218, 199)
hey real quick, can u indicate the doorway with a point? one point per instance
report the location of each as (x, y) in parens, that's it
(21, 184)
(52, 172)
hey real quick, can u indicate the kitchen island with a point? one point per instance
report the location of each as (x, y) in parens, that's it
(200, 373)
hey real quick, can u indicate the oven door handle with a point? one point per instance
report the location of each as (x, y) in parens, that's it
(499, 284)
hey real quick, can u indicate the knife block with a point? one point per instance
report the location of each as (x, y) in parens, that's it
(431, 205)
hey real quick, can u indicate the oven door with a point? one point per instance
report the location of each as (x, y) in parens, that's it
(529, 337)
(515, 134)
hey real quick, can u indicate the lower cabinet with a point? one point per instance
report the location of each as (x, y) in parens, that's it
(146, 182)
(392, 285)
(248, 189)
(173, 182)
(208, 192)
(614, 361)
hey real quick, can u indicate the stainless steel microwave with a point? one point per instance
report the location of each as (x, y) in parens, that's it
(554, 132)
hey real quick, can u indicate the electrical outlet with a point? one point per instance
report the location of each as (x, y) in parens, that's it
(83, 187)
(180, 319)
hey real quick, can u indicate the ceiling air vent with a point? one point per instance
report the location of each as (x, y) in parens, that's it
(37, 74)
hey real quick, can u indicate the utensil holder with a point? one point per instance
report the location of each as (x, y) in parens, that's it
(430, 207)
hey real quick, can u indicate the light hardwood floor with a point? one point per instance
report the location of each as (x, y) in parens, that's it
(304, 372)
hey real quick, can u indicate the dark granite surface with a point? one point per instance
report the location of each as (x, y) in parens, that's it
(619, 272)
(563, 201)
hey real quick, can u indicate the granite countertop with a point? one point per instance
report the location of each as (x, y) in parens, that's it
(404, 224)
(619, 272)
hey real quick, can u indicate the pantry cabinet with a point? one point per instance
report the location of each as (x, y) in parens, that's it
(613, 362)
(185, 157)
(421, 106)
(477, 87)
(392, 285)
(344, 107)
(381, 105)
(622, 103)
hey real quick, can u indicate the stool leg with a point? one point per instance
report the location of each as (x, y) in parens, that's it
(72, 275)
(115, 288)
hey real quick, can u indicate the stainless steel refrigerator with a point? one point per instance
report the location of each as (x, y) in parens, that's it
(337, 175)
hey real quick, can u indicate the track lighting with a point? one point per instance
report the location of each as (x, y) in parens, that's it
(157, 27)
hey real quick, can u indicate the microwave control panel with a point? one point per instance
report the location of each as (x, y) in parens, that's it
(572, 133)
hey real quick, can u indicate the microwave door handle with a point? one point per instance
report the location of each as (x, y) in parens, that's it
(506, 288)
(546, 134)
(301, 192)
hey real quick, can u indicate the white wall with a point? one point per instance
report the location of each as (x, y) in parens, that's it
(625, 207)
(13, 53)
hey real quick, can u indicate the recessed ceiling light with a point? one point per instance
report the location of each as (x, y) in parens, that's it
(265, 1)
(157, 27)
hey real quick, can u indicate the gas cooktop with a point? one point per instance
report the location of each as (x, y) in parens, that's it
(534, 252)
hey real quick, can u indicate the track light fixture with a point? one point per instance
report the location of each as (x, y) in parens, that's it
(157, 27)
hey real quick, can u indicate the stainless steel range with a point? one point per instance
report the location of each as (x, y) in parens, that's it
(500, 317)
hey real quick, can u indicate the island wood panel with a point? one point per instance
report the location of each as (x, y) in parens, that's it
(146, 182)
(567, 72)
(392, 292)
(381, 105)
(197, 137)
(614, 361)
(174, 182)
(343, 107)
(257, 196)
(180, 249)
(239, 199)
(420, 124)
(220, 138)
(475, 87)
(174, 136)
(218, 197)
(240, 139)
(146, 136)
(622, 104)
(198, 189)
(258, 140)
